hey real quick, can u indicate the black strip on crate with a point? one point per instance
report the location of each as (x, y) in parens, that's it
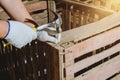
(95, 64)
(97, 51)
(112, 76)
(37, 11)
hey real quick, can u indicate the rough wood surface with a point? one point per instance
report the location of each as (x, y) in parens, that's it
(102, 72)
(116, 77)
(78, 41)
(70, 70)
(77, 14)
(36, 6)
(26, 63)
(88, 30)
(47, 61)
(52, 63)
(93, 43)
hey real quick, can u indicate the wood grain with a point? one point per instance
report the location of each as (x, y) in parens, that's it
(103, 71)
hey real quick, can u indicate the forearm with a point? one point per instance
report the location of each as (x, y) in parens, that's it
(16, 10)
(3, 28)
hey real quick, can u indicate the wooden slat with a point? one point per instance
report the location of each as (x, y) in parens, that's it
(40, 18)
(52, 63)
(91, 29)
(40, 15)
(93, 43)
(100, 10)
(91, 60)
(116, 77)
(36, 6)
(102, 72)
(73, 14)
(41, 61)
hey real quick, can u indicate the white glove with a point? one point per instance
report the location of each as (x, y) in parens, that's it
(19, 34)
(49, 34)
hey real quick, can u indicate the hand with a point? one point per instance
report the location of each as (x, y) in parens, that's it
(19, 34)
(49, 34)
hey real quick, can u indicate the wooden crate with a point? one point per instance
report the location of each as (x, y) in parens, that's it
(88, 52)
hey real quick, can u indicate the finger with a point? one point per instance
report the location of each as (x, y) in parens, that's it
(51, 28)
(53, 39)
(43, 26)
(58, 37)
(59, 29)
(59, 20)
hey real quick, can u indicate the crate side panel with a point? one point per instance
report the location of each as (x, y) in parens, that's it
(92, 43)
(103, 71)
(70, 70)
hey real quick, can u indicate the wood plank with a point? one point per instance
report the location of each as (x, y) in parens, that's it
(71, 2)
(36, 6)
(103, 71)
(61, 69)
(88, 30)
(52, 63)
(91, 60)
(40, 18)
(97, 42)
(41, 60)
(116, 77)
(72, 7)
(41, 15)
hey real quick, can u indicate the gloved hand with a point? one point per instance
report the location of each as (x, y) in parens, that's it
(51, 33)
(19, 34)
